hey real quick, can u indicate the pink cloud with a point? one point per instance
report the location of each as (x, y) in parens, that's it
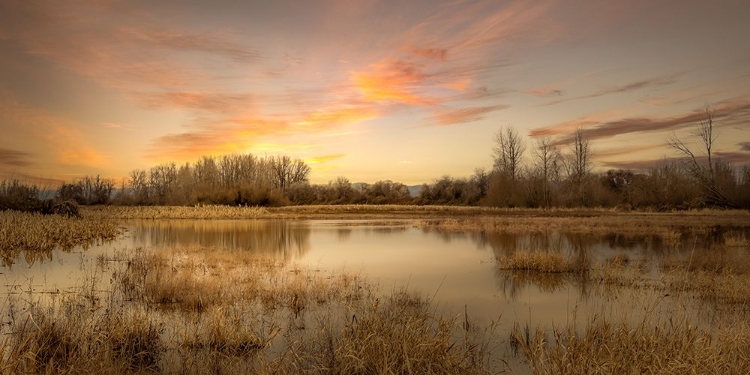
(463, 115)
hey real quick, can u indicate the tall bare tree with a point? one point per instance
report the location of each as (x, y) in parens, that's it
(703, 172)
(508, 150)
(547, 160)
(578, 166)
(580, 161)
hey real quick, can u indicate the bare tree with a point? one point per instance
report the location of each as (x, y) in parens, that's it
(287, 172)
(547, 160)
(138, 182)
(578, 167)
(703, 172)
(580, 161)
(508, 150)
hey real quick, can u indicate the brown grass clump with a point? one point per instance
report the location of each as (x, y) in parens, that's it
(38, 234)
(737, 240)
(647, 348)
(726, 289)
(542, 261)
(72, 339)
(399, 335)
(226, 330)
(194, 279)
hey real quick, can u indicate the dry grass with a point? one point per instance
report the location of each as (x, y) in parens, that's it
(465, 215)
(37, 234)
(200, 310)
(72, 339)
(736, 240)
(172, 212)
(543, 262)
(662, 226)
(194, 279)
(650, 347)
(394, 335)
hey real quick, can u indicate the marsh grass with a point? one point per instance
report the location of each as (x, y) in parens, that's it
(737, 240)
(36, 235)
(543, 262)
(205, 310)
(396, 334)
(717, 275)
(173, 212)
(72, 338)
(651, 346)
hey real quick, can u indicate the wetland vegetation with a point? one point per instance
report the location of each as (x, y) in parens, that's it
(222, 305)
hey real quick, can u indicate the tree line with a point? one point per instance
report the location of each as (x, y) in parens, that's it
(543, 175)
(558, 177)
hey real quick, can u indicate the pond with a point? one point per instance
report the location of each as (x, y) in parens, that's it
(458, 272)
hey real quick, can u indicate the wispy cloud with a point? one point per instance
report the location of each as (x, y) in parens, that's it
(558, 88)
(629, 150)
(633, 86)
(46, 132)
(199, 100)
(211, 43)
(240, 133)
(463, 115)
(428, 53)
(438, 66)
(546, 92)
(132, 50)
(14, 158)
(393, 81)
(115, 125)
(322, 159)
(727, 113)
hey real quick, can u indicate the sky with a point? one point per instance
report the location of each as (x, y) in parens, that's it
(370, 90)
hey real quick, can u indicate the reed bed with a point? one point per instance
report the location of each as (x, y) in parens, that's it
(465, 214)
(173, 212)
(649, 347)
(664, 227)
(735, 240)
(202, 310)
(542, 262)
(38, 234)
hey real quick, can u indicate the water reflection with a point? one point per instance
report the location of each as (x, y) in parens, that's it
(456, 269)
(274, 239)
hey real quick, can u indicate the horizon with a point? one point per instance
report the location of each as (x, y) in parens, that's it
(368, 90)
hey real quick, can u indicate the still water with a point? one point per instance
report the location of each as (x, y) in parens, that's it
(457, 271)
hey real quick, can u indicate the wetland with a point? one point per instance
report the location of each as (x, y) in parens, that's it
(366, 289)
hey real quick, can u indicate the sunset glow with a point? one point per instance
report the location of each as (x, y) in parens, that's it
(366, 89)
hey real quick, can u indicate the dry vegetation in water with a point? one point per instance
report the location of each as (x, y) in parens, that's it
(173, 212)
(650, 347)
(206, 310)
(36, 235)
(543, 262)
(670, 227)
(354, 211)
(716, 276)
(201, 310)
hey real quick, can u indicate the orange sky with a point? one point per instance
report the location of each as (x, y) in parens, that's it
(369, 90)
